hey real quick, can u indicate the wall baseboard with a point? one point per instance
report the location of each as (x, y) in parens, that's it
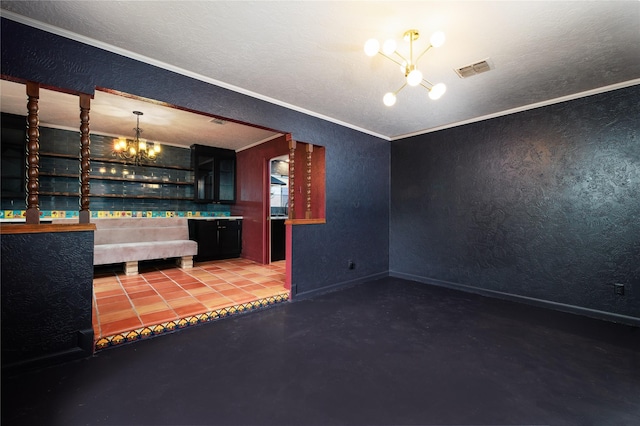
(83, 349)
(338, 286)
(579, 310)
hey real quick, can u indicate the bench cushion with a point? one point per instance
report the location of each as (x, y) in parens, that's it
(121, 240)
(105, 254)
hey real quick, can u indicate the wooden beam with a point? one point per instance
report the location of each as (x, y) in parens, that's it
(307, 213)
(292, 173)
(33, 158)
(85, 162)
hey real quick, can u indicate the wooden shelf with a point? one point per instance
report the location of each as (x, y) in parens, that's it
(113, 161)
(139, 197)
(115, 178)
(154, 181)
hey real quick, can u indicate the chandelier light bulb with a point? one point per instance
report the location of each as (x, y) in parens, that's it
(389, 99)
(414, 78)
(437, 91)
(389, 47)
(437, 39)
(371, 47)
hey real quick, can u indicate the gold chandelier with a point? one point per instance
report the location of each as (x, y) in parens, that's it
(138, 150)
(408, 66)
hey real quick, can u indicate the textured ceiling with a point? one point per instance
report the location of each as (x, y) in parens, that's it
(309, 55)
(112, 115)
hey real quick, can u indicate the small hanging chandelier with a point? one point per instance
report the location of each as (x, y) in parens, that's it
(408, 66)
(138, 150)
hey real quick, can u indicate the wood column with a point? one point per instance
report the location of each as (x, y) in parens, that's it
(85, 162)
(292, 170)
(33, 156)
(307, 213)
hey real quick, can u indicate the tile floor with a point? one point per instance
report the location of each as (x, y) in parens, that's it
(163, 297)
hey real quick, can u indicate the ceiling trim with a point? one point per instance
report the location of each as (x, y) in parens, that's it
(141, 58)
(525, 108)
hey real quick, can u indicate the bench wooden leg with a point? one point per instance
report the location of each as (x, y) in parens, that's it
(185, 262)
(131, 268)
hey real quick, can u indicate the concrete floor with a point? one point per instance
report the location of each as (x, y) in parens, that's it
(385, 352)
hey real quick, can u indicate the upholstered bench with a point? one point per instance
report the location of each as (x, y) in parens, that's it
(130, 240)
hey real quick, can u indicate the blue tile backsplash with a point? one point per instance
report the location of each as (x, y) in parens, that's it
(166, 186)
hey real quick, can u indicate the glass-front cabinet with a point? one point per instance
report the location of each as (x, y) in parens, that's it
(215, 174)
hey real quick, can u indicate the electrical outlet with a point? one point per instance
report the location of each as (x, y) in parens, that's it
(351, 265)
(619, 289)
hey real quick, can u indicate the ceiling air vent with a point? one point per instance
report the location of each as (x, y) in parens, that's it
(473, 69)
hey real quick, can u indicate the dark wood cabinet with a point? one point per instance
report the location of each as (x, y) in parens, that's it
(13, 145)
(214, 174)
(216, 238)
(278, 247)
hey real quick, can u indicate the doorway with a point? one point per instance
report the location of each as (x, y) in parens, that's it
(278, 206)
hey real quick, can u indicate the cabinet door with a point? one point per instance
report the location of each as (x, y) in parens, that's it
(204, 232)
(226, 180)
(205, 179)
(229, 238)
(215, 174)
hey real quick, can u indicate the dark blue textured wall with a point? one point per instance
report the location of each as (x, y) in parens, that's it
(357, 165)
(46, 306)
(543, 204)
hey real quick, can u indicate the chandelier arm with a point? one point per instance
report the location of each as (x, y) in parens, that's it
(422, 54)
(401, 87)
(391, 59)
(401, 57)
(428, 82)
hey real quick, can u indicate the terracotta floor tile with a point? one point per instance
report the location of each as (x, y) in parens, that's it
(242, 298)
(109, 329)
(225, 286)
(172, 293)
(184, 301)
(166, 283)
(208, 296)
(251, 288)
(114, 316)
(142, 294)
(232, 292)
(222, 302)
(151, 308)
(191, 309)
(131, 280)
(272, 284)
(136, 288)
(201, 290)
(191, 286)
(113, 303)
(147, 300)
(163, 294)
(268, 292)
(109, 293)
(243, 283)
(158, 317)
(250, 274)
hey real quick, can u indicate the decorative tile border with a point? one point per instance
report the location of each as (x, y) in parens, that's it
(71, 214)
(167, 327)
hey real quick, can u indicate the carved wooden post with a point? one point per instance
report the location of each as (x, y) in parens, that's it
(292, 173)
(307, 213)
(33, 158)
(85, 162)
